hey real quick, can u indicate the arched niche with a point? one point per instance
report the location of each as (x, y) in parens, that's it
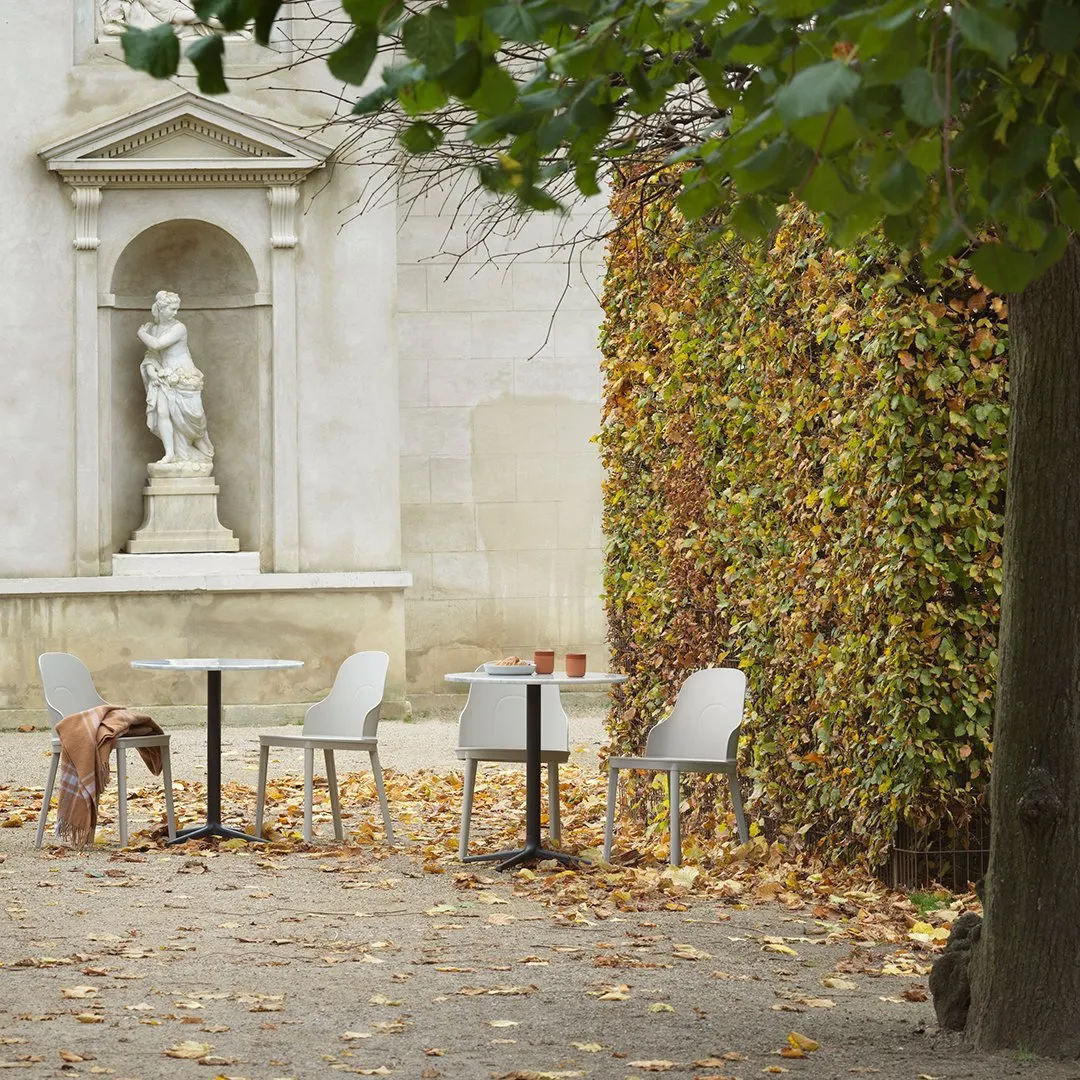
(228, 334)
(164, 192)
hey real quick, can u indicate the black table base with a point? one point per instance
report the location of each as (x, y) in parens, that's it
(213, 826)
(532, 851)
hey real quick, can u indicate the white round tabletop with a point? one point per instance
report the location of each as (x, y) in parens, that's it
(216, 664)
(560, 677)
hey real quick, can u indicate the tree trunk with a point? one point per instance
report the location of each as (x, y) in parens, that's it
(1025, 970)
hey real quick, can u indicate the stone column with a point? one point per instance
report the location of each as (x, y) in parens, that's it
(86, 201)
(283, 240)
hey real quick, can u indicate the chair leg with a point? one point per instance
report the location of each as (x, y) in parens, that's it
(609, 823)
(166, 780)
(335, 800)
(554, 824)
(54, 761)
(466, 806)
(309, 784)
(121, 794)
(380, 787)
(260, 790)
(673, 814)
(736, 802)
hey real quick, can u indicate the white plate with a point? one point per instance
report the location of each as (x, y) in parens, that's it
(509, 669)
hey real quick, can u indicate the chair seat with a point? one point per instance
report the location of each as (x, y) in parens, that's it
(667, 764)
(320, 742)
(482, 753)
(124, 741)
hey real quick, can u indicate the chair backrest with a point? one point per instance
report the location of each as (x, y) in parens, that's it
(352, 706)
(67, 684)
(704, 725)
(494, 719)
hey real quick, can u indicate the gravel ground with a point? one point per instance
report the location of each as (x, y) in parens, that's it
(308, 962)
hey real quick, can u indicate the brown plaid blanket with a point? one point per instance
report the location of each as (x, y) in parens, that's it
(87, 740)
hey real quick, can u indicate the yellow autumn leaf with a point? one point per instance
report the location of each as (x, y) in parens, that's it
(802, 1042)
(778, 947)
(189, 1050)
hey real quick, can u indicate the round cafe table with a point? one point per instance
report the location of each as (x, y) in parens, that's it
(532, 851)
(213, 668)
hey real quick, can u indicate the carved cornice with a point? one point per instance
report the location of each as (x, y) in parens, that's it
(189, 174)
(121, 153)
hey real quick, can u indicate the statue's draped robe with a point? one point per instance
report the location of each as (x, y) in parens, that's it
(181, 389)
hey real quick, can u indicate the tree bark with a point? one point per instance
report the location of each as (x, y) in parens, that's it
(1025, 970)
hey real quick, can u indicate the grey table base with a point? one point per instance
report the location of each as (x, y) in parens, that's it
(213, 825)
(534, 851)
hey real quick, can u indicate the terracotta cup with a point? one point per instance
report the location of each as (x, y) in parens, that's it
(544, 660)
(575, 664)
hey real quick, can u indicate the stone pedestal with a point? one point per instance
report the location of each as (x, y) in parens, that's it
(187, 564)
(180, 514)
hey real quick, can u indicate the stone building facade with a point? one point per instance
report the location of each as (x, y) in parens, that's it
(402, 435)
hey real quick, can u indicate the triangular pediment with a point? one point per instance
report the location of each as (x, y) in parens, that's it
(181, 139)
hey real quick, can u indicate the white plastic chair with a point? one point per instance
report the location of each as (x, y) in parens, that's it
(69, 688)
(492, 728)
(700, 735)
(346, 719)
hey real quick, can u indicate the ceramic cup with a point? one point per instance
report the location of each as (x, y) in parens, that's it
(575, 664)
(544, 660)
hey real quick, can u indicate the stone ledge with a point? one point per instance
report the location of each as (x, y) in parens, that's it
(256, 583)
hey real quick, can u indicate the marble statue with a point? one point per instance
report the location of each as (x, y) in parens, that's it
(120, 15)
(174, 408)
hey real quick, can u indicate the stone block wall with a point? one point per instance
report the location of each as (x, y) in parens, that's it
(499, 401)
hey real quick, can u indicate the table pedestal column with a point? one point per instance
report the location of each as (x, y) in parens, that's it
(532, 851)
(213, 826)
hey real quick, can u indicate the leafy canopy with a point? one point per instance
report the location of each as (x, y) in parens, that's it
(952, 124)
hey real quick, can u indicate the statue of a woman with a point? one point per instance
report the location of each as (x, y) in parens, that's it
(174, 408)
(117, 16)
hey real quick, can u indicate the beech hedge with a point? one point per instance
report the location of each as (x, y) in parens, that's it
(805, 453)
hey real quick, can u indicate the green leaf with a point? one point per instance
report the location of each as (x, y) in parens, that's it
(826, 191)
(378, 13)
(207, 53)
(698, 195)
(827, 133)
(511, 22)
(157, 51)
(789, 9)
(496, 93)
(264, 19)
(421, 137)
(1059, 29)
(984, 32)
(431, 39)
(1003, 268)
(463, 77)
(900, 186)
(921, 98)
(373, 102)
(231, 14)
(816, 90)
(422, 97)
(1068, 205)
(352, 61)
(585, 178)
(754, 218)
